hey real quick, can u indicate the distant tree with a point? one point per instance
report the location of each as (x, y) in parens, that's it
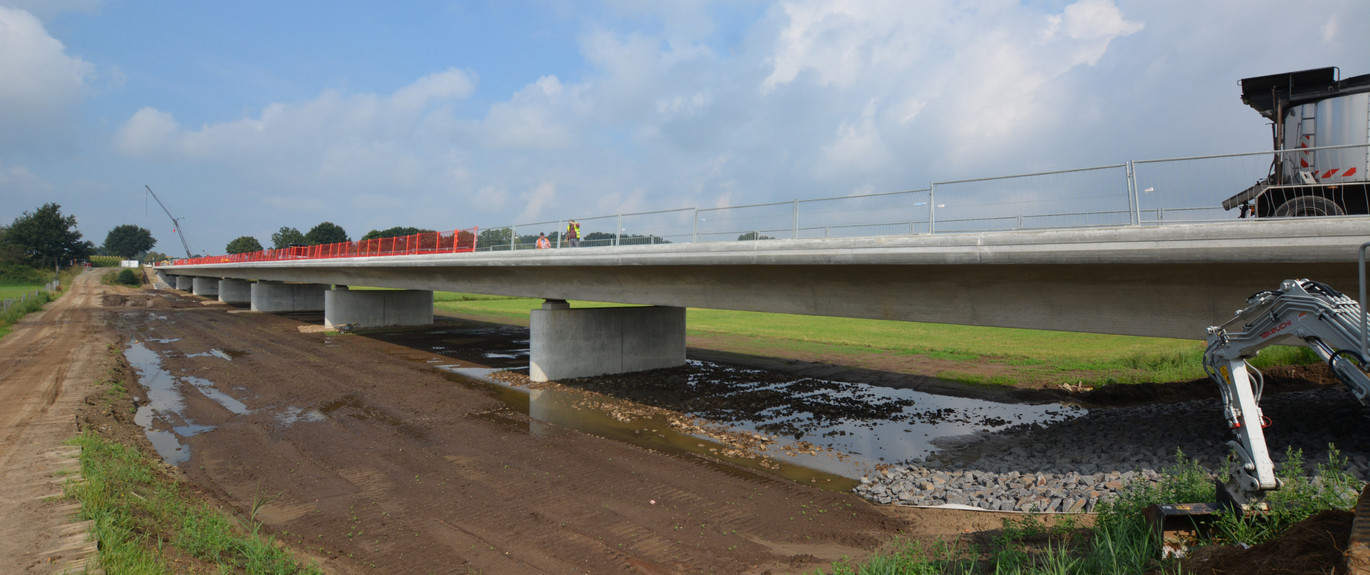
(749, 236)
(47, 238)
(157, 257)
(244, 245)
(326, 233)
(286, 236)
(395, 232)
(494, 239)
(127, 241)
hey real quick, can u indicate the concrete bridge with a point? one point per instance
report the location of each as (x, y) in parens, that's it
(1163, 281)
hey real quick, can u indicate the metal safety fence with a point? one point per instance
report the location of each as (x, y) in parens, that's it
(457, 241)
(8, 303)
(1138, 193)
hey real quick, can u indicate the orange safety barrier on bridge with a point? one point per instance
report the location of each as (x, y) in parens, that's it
(457, 241)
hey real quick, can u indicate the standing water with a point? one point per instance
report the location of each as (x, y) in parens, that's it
(835, 427)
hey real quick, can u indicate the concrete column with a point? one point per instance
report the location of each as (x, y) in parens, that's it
(568, 343)
(235, 291)
(276, 296)
(185, 283)
(377, 308)
(206, 287)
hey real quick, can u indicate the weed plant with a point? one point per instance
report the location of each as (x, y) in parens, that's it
(138, 514)
(21, 308)
(1121, 542)
(143, 519)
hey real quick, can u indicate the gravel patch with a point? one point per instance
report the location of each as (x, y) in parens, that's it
(1073, 465)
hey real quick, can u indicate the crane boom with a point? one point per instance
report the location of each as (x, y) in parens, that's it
(175, 223)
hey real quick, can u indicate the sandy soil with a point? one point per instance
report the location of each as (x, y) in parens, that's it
(370, 461)
(48, 364)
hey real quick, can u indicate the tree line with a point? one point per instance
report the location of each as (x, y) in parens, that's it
(324, 233)
(45, 238)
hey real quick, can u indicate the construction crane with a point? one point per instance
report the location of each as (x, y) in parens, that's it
(175, 223)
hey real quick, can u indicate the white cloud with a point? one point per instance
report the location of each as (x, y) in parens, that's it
(17, 182)
(41, 84)
(533, 119)
(536, 200)
(47, 8)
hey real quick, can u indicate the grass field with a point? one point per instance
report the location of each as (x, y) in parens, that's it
(12, 291)
(1020, 355)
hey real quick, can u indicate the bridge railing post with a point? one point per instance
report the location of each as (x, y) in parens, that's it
(794, 220)
(1134, 202)
(694, 231)
(932, 208)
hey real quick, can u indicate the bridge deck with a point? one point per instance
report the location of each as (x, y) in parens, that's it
(1167, 281)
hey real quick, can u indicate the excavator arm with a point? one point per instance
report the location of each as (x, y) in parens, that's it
(1300, 312)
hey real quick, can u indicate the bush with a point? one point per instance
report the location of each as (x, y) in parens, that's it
(128, 278)
(15, 274)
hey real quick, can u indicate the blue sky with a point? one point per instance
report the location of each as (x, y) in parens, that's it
(249, 116)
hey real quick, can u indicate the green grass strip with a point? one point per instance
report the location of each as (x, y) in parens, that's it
(139, 513)
(18, 290)
(1037, 355)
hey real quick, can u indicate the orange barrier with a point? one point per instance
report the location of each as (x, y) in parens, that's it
(458, 241)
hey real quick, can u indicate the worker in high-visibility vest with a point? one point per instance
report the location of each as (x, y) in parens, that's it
(543, 242)
(573, 234)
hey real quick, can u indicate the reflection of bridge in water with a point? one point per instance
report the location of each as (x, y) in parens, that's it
(1165, 281)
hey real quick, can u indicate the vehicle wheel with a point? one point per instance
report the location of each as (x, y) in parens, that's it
(1304, 206)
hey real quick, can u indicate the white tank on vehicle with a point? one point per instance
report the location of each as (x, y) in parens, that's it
(1321, 129)
(1336, 121)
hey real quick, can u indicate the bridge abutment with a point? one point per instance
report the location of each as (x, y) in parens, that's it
(377, 308)
(206, 286)
(163, 278)
(268, 296)
(235, 291)
(568, 343)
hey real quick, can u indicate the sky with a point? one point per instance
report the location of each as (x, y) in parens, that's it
(249, 116)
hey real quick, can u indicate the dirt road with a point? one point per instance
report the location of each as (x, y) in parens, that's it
(370, 461)
(48, 364)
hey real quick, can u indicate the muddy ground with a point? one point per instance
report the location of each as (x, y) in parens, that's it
(371, 461)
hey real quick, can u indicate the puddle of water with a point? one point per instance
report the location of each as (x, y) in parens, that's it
(225, 354)
(165, 404)
(165, 407)
(207, 388)
(828, 427)
(291, 414)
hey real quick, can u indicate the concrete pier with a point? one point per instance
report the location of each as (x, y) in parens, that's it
(568, 343)
(276, 296)
(207, 287)
(235, 291)
(185, 283)
(377, 308)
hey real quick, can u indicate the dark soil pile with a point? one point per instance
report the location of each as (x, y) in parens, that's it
(1313, 546)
